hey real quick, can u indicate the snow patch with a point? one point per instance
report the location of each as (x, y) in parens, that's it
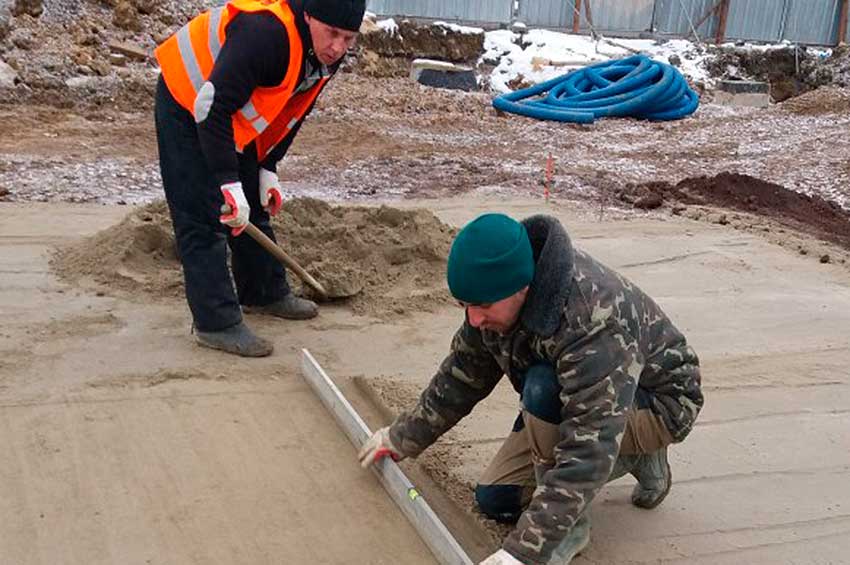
(466, 30)
(540, 55)
(389, 25)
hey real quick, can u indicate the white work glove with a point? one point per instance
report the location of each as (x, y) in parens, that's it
(239, 209)
(377, 447)
(270, 195)
(501, 557)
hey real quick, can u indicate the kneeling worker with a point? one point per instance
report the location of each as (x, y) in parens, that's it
(605, 379)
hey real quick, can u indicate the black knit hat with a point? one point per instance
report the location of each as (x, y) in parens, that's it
(345, 14)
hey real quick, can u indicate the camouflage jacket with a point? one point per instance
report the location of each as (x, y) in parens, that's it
(603, 335)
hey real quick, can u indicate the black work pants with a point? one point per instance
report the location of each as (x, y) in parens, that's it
(194, 200)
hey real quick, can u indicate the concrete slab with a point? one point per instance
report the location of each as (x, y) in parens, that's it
(443, 74)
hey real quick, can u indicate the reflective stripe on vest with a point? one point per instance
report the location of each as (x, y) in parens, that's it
(187, 59)
(293, 113)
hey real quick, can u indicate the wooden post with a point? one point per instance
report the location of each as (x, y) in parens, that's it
(547, 183)
(721, 24)
(589, 15)
(842, 23)
(576, 14)
(706, 15)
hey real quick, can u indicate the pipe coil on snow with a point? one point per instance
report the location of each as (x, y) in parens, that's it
(636, 87)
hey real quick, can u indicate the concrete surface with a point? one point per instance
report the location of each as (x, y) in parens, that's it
(125, 443)
(763, 477)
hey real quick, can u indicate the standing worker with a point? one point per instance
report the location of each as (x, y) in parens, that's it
(606, 383)
(236, 85)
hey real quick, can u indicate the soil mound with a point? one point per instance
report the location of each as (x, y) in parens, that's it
(386, 52)
(433, 41)
(790, 71)
(392, 260)
(810, 214)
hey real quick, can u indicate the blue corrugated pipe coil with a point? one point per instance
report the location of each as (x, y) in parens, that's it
(635, 87)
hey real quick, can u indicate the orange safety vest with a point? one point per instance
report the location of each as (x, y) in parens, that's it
(187, 59)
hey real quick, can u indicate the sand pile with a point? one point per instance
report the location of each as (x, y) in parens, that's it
(824, 100)
(394, 260)
(137, 256)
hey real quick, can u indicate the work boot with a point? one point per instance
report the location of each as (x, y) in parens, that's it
(238, 339)
(574, 543)
(622, 467)
(290, 307)
(654, 479)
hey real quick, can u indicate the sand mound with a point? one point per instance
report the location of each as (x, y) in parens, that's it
(137, 254)
(392, 260)
(824, 100)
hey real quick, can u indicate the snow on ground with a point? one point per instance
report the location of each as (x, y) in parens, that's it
(390, 26)
(546, 54)
(459, 28)
(537, 55)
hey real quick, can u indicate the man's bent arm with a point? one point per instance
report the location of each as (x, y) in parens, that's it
(466, 376)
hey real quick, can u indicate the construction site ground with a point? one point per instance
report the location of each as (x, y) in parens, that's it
(123, 442)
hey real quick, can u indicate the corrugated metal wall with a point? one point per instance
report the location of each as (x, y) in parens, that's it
(812, 21)
(483, 11)
(632, 16)
(607, 15)
(675, 17)
(756, 20)
(546, 13)
(803, 21)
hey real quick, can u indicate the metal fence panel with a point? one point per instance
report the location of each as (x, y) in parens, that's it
(804, 21)
(812, 21)
(756, 20)
(546, 13)
(607, 15)
(675, 17)
(481, 11)
(616, 15)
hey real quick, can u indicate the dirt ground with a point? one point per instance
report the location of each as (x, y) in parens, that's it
(383, 138)
(127, 443)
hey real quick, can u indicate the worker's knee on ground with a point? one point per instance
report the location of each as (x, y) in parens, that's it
(541, 394)
(502, 503)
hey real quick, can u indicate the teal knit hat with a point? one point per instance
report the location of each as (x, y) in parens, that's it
(490, 259)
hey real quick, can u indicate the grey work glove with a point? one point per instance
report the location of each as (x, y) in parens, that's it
(377, 447)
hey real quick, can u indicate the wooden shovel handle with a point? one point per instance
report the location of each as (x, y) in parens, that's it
(280, 254)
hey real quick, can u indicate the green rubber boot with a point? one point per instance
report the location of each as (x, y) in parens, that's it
(574, 543)
(654, 479)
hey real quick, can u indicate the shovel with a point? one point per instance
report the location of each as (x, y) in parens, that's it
(342, 282)
(281, 256)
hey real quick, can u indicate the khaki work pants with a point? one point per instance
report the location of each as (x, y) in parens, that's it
(534, 445)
